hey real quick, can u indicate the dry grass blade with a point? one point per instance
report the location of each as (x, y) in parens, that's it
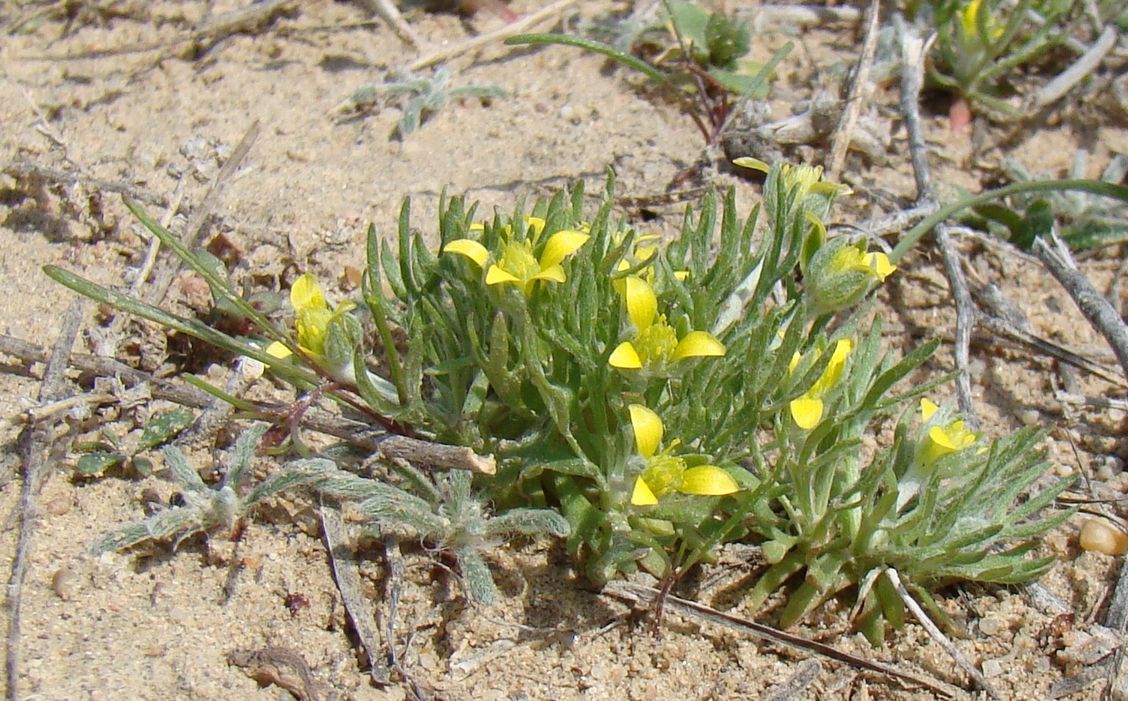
(347, 574)
(860, 90)
(936, 634)
(32, 444)
(434, 455)
(636, 593)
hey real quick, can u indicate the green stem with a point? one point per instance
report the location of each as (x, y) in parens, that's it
(1096, 187)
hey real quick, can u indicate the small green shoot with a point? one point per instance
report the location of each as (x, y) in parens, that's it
(206, 509)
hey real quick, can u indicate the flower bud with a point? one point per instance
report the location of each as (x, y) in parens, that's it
(841, 273)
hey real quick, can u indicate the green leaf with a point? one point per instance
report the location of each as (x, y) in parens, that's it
(163, 426)
(93, 464)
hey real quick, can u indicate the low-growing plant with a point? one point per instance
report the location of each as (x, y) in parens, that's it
(418, 96)
(445, 513)
(696, 57)
(110, 451)
(204, 508)
(980, 44)
(662, 397)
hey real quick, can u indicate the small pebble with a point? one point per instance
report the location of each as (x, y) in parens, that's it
(1102, 537)
(990, 626)
(1030, 417)
(992, 668)
(65, 584)
(59, 505)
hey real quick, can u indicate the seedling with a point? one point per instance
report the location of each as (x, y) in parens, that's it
(207, 509)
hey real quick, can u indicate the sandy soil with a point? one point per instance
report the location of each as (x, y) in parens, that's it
(117, 93)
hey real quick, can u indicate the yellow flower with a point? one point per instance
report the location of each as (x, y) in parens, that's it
(807, 410)
(806, 179)
(942, 439)
(656, 343)
(874, 264)
(518, 264)
(969, 19)
(665, 473)
(313, 318)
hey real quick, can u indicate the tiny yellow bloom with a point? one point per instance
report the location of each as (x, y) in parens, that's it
(969, 19)
(875, 264)
(807, 410)
(665, 473)
(656, 342)
(518, 264)
(806, 179)
(941, 439)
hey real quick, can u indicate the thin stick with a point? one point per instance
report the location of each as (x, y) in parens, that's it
(913, 52)
(860, 89)
(934, 632)
(912, 71)
(388, 12)
(247, 371)
(809, 670)
(966, 316)
(1088, 62)
(199, 217)
(1055, 256)
(518, 27)
(23, 169)
(45, 412)
(347, 574)
(634, 593)
(31, 444)
(435, 455)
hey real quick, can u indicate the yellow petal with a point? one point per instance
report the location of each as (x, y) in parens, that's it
(642, 496)
(707, 480)
(927, 409)
(942, 440)
(535, 225)
(879, 264)
(555, 273)
(681, 275)
(561, 245)
(648, 430)
(278, 350)
(497, 276)
(469, 248)
(306, 294)
(807, 412)
(625, 357)
(642, 304)
(697, 344)
(753, 163)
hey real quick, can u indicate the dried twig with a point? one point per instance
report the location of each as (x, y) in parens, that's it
(192, 233)
(1057, 259)
(938, 636)
(639, 594)
(912, 70)
(512, 29)
(32, 444)
(23, 169)
(966, 316)
(809, 670)
(435, 455)
(387, 11)
(860, 90)
(1088, 62)
(347, 574)
(913, 53)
